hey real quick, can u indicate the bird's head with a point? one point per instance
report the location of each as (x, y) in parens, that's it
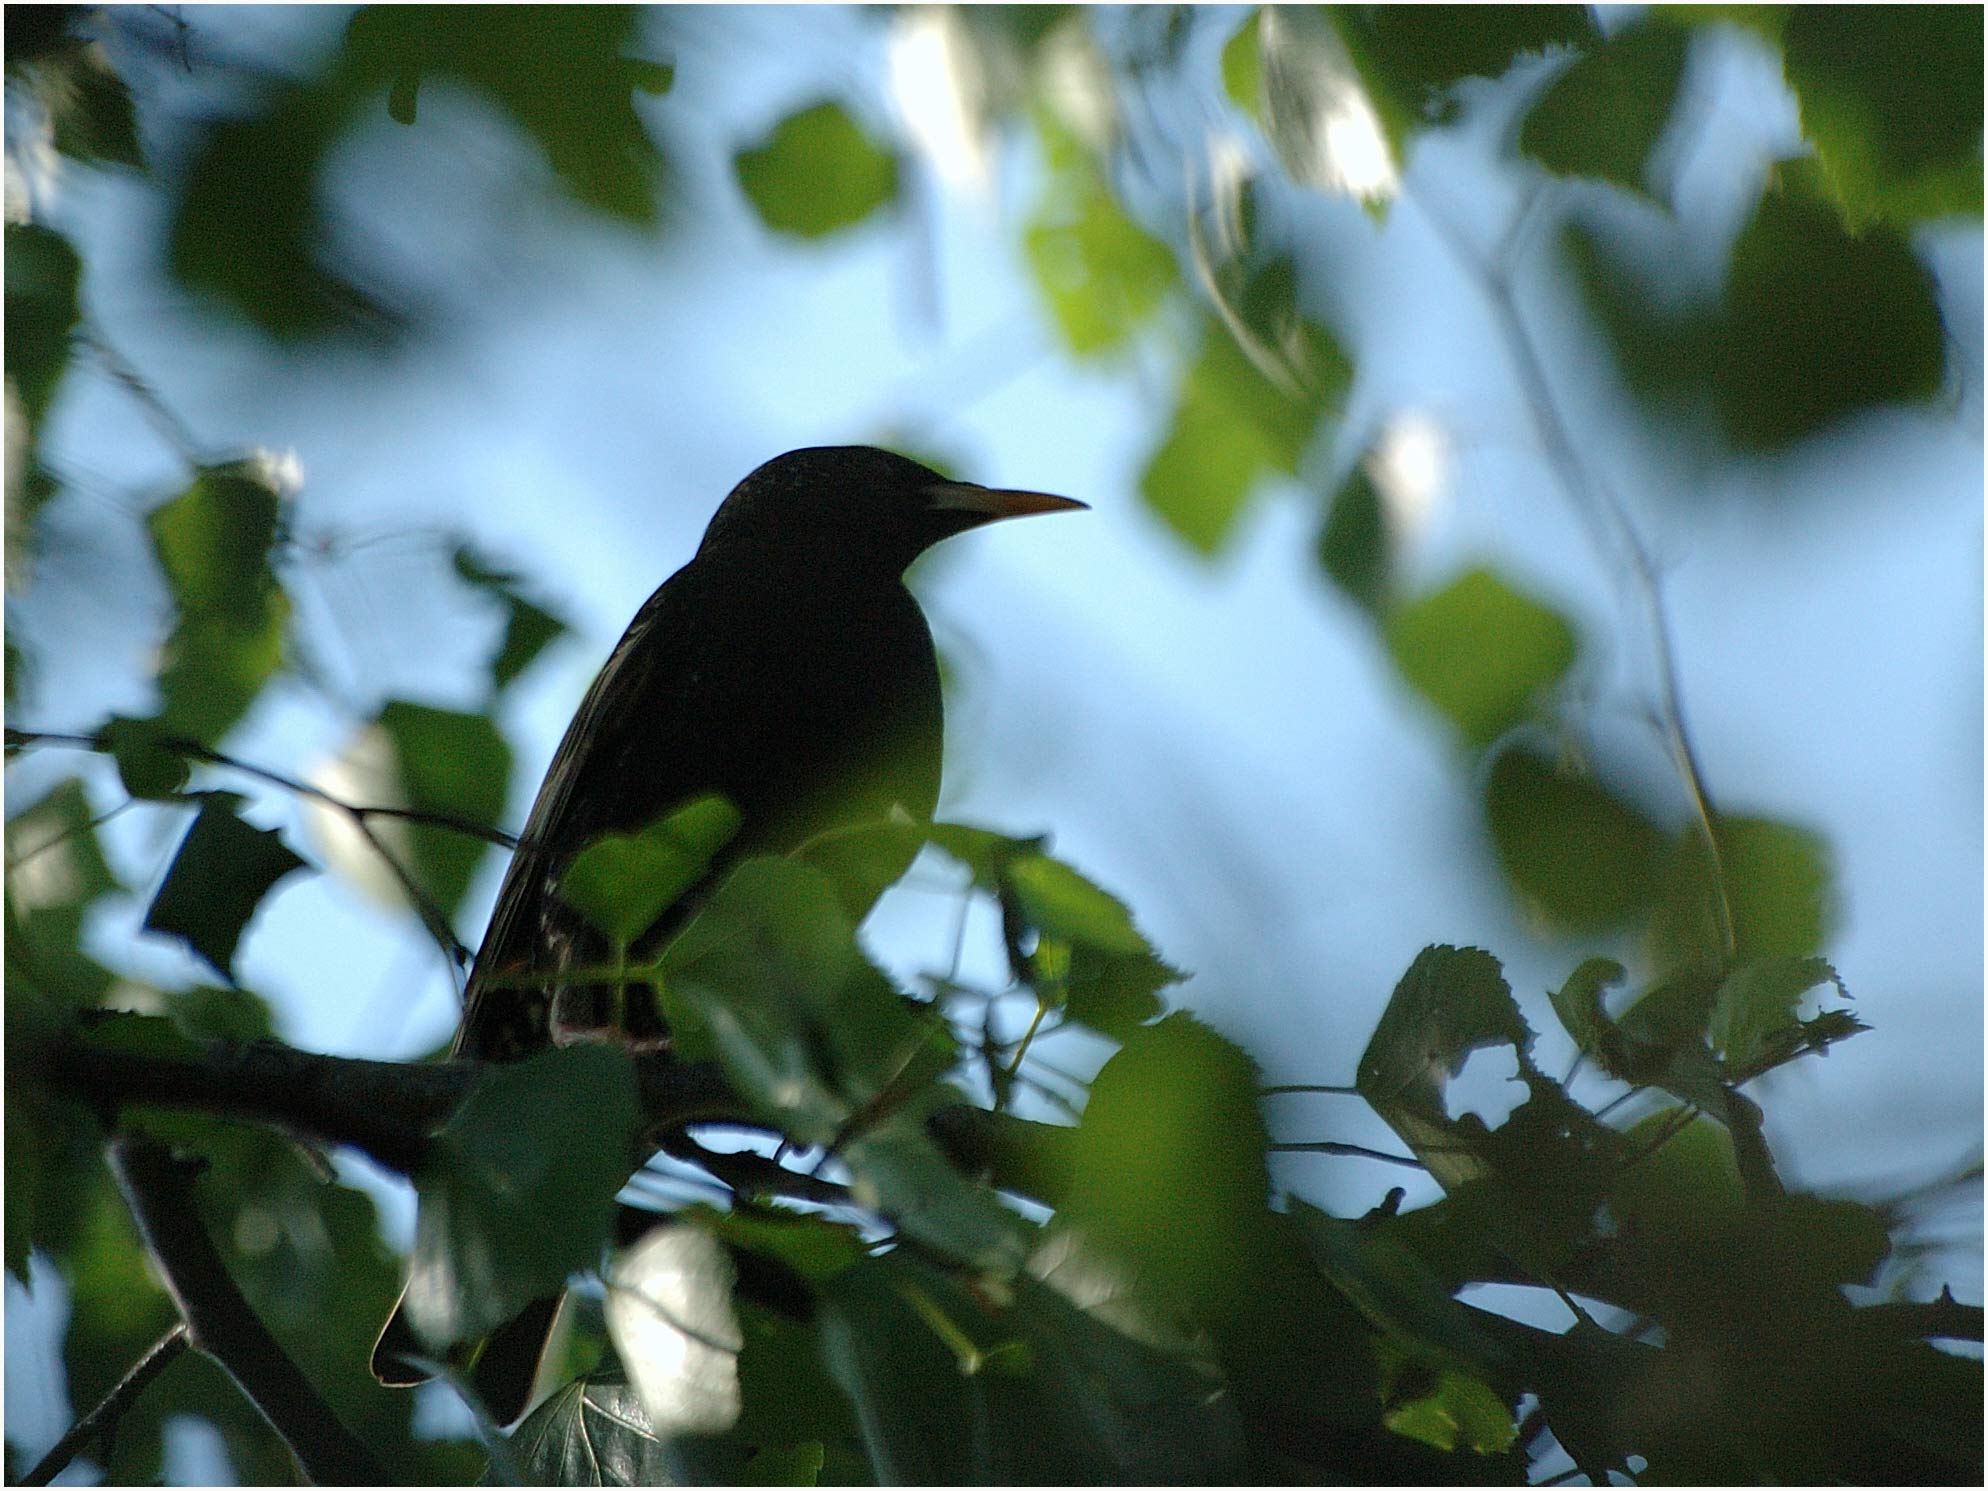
(866, 506)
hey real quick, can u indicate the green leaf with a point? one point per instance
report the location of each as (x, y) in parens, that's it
(1754, 1017)
(560, 74)
(1777, 881)
(214, 543)
(622, 882)
(1578, 1003)
(1061, 903)
(1355, 548)
(1102, 274)
(1484, 653)
(817, 173)
(1169, 1175)
(1242, 66)
(1576, 855)
(450, 763)
(528, 627)
(220, 874)
(1233, 426)
(1891, 98)
(517, 1190)
(897, 1169)
(1448, 1410)
(146, 766)
(1603, 116)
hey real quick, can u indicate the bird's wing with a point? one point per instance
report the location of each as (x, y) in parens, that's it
(628, 756)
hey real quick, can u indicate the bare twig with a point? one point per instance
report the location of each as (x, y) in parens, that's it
(1601, 511)
(158, 1187)
(1357, 1151)
(101, 1421)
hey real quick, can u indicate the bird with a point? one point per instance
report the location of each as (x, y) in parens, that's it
(786, 668)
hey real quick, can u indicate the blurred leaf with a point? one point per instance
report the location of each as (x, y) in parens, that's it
(793, 1465)
(528, 627)
(1604, 114)
(1813, 325)
(209, 1012)
(88, 105)
(56, 870)
(248, 228)
(1242, 66)
(147, 768)
(1484, 653)
(1576, 854)
(622, 882)
(1778, 883)
(559, 72)
(43, 279)
(517, 1190)
(1169, 1175)
(1891, 98)
(950, 1389)
(1232, 426)
(219, 876)
(1447, 1409)
(214, 544)
(1102, 274)
(1355, 548)
(1061, 903)
(898, 1170)
(670, 1315)
(817, 173)
(454, 764)
(1684, 1188)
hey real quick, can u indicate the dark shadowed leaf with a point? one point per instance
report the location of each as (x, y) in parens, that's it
(43, 274)
(88, 106)
(56, 869)
(1603, 116)
(221, 872)
(1891, 98)
(1576, 854)
(1483, 652)
(528, 627)
(593, 1432)
(1813, 324)
(1755, 1017)
(147, 767)
(517, 1190)
(1355, 548)
(818, 172)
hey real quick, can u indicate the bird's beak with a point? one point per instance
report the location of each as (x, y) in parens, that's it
(990, 503)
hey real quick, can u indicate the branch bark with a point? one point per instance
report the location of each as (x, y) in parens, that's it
(158, 1187)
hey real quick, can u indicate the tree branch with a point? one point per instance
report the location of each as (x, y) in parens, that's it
(387, 1108)
(101, 1421)
(158, 1188)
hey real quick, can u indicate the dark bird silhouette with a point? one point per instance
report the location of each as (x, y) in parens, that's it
(785, 668)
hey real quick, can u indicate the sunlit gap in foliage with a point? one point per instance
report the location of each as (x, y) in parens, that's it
(1410, 468)
(940, 87)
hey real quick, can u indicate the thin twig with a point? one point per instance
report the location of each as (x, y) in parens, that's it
(1357, 1151)
(101, 1421)
(1604, 516)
